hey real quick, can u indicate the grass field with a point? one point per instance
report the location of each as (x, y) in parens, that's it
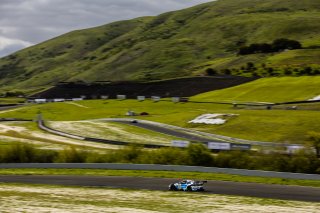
(162, 174)
(276, 89)
(112, 131)
(263, 125)
(11, 100)
(28, 132)
(40, 198)
(276, 125)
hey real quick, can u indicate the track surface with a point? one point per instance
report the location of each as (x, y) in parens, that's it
(168, 131)
(189, 136)
(214, 187)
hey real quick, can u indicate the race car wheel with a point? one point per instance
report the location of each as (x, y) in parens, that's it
(189, 189)
(173, 187)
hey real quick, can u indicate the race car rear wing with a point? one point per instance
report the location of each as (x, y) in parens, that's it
(201, 182)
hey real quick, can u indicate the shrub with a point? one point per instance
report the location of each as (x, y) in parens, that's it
(283, 44)
(277, 45)
(199, 155)
(26, 153)
(211, 72)
(71, 155)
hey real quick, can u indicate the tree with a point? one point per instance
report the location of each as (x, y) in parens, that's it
(244, 51)
(314, 138)
(199, 155)
(277, 45)
(283, 44)
(226, 71)
(211, 72)
(250, 66)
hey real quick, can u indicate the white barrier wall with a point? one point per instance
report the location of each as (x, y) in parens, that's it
(219, 146)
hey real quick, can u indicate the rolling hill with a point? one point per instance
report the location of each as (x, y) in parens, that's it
(283, 89)
(174, 44)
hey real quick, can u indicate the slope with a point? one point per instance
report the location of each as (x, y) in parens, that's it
(276, 89)
(174, 44)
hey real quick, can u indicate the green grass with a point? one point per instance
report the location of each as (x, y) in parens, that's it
(263, 125)
(161, 174)
(113, 131)
(44, 198)
(11, 100)
(31, 134)
(175, 44)
(276, 89)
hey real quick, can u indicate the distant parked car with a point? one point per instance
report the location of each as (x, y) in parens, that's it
(188, 185)
(134, 121)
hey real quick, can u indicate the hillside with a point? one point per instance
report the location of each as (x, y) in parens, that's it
(182, 87)
(274, 90)
(174, 44)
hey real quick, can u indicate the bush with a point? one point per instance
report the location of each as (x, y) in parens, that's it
(166, 156)
(26, 153)
(211, 72)
(199, 155)
(71, 155)
(305, 161)
(277, 45)
(283, 44)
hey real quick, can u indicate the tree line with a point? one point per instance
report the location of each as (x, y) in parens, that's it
(276, 46)
(264, 70)
(305, 161)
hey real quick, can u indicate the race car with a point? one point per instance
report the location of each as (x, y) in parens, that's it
(187, 185)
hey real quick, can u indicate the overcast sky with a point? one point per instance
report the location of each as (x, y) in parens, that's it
(27, 22)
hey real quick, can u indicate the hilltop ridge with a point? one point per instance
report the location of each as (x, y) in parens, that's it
(174, 44)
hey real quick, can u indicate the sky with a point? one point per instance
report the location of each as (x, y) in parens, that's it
(27, 22)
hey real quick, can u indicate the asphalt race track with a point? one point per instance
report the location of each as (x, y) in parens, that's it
(214, 187)
(168, 131)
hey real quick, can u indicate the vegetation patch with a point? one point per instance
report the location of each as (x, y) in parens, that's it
(273, 125)
(305, 161)
(27, 198)
(111, 131)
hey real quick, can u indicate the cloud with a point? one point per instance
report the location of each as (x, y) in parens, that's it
(11, 45)
(26, 22)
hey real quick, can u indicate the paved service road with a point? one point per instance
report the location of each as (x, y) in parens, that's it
(214, 187)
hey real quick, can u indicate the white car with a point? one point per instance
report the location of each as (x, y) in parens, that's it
(187, 185)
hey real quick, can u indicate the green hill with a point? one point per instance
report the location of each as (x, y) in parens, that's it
(174, 44)
(268, 90)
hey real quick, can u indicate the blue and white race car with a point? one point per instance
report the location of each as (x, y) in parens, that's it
(187, 185)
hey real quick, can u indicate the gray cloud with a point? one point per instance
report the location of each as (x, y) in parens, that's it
(27, 22)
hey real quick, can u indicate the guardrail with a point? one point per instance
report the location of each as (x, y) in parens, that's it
(203, 134)
(152, 167)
